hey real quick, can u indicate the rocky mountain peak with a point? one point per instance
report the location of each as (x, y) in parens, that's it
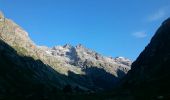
(123, 60)
(82, 57)
(68, 46)
(13, 34)
(80, 46)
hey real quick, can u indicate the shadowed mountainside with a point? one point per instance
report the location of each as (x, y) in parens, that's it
(149, 77)
(23, 77)
(20, 79)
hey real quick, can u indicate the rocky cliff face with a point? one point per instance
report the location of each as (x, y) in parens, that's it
(97, 68)
(149, 76)
(81, 57)
(76, 66)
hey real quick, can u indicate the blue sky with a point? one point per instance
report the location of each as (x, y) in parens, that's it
(110, 27)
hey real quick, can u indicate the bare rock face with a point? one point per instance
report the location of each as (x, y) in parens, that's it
(16, 37)
(76, 66)
(83, 58)
(88, 61)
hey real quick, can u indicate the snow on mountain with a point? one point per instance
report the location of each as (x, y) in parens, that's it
(82, 57)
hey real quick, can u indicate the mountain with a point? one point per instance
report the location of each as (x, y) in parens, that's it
(111, 70)
(28, 71)
(30, 65)
(149, 77)
(22, 75)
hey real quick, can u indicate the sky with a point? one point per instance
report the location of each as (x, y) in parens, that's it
(110, 27)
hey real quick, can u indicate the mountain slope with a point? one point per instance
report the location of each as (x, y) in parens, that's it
(149, 76)
(24, 77)
(76, 66)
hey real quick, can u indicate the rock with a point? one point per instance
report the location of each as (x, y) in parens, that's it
(85, 59)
